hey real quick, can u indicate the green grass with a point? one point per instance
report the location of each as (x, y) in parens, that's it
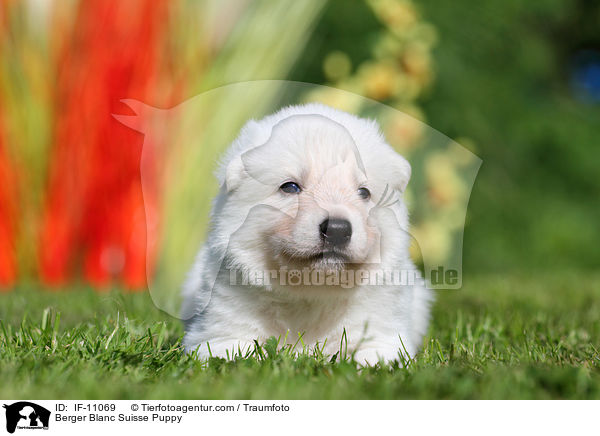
(498, 337)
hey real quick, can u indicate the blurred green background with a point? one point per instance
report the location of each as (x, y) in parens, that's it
(505, 80)
(503, 88)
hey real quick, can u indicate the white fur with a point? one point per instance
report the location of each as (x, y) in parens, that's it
(256, 227)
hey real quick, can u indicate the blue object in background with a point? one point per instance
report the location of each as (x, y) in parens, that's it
(585, 75)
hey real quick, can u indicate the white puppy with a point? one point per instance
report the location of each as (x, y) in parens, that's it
(309, 236)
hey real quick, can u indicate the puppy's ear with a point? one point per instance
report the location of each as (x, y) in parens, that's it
(234, 173)
(400, 172)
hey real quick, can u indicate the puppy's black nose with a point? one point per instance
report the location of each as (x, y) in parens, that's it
(336, 231)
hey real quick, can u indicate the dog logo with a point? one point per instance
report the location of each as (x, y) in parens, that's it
(26, 415)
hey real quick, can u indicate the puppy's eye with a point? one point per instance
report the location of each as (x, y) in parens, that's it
(364, 193)
(290, 188)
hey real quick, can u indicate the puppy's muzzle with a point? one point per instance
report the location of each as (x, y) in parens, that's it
(336, 232)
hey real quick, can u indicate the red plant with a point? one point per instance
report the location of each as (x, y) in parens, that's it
(8, 267)
(94, 208)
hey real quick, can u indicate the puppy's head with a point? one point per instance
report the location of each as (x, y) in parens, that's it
(310, 196)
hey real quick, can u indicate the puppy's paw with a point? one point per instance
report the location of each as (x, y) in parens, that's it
(372, 356)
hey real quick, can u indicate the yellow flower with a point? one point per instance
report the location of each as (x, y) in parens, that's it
(443, 182)
(433, 241)
(380, 80)
(397, 14)
(403, 131)
(416, 62)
